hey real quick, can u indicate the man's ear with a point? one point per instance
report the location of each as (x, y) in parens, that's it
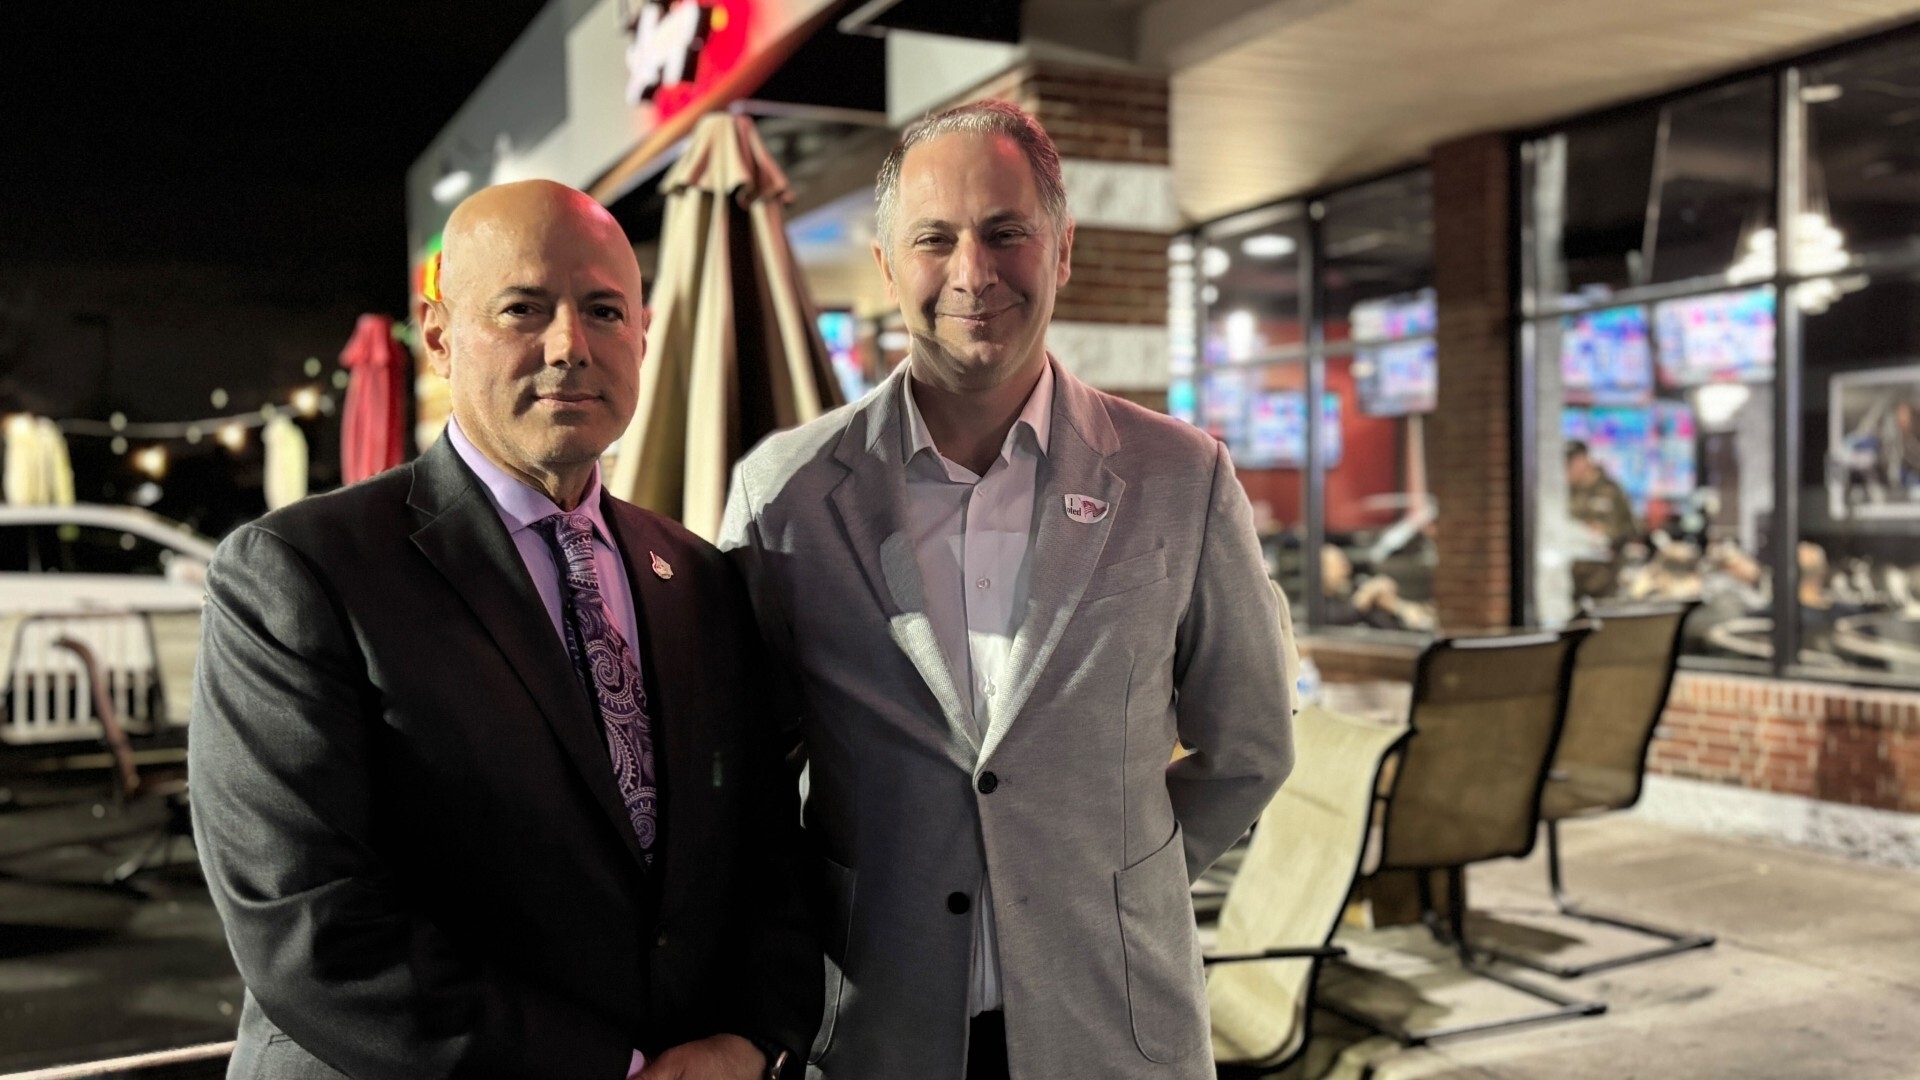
(886, 272)
(433, 334)
(1065, 269)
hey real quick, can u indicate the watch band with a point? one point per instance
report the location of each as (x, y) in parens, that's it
(777, 1056)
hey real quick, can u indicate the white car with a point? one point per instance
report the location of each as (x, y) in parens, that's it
(91, 557)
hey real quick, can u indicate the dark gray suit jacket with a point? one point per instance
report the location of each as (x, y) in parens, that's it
(410, 824)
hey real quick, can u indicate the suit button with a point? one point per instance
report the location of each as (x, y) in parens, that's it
(660, 940)
(958, 903)
(988, 782)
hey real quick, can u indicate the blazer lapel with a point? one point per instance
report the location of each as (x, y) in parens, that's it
(1065, 551)
(465, 540)
(871, 504)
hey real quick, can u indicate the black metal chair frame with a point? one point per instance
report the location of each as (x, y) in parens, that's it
(1449, 927)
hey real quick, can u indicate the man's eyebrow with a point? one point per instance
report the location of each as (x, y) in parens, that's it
(605, 294)
(531, 292)
(998, 217)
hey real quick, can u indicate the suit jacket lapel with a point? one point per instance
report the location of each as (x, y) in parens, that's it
(871, 504)
(1064, 551)
(465, 540)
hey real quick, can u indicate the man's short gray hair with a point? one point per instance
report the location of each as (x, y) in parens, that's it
(982, 118)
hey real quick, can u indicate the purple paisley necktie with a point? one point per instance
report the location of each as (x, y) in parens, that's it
(607, 666)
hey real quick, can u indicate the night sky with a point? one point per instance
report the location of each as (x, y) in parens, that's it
(201, 195)
(247, 134)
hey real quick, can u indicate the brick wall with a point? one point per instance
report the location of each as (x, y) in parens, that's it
(1468, 448)
(1841, 744)
(1092, 113)
(1118, 277)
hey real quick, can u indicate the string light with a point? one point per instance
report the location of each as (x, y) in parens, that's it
(151, 460)
(233, 436)
(306, 401)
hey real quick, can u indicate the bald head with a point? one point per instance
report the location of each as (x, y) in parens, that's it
(539, 330)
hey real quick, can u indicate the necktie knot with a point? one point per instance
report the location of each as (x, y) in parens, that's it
(572, 536)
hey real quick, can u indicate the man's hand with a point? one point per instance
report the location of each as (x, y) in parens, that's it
(717, 1057)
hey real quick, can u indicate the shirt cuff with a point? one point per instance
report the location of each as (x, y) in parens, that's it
(639, 1062)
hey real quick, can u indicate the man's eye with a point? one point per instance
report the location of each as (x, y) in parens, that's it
(1009, 235)
(931, 241)
(609, 313)
(519, 310)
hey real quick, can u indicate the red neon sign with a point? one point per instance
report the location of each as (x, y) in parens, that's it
(681, 49)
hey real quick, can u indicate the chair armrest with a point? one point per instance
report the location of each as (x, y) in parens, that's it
(1303, 952)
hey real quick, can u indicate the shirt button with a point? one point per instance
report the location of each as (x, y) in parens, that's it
(958, 903)
(988, 782)
(982, 583)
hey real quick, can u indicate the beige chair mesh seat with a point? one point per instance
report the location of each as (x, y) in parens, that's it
(1486, 717)
(1292, 886)
(1621, 680)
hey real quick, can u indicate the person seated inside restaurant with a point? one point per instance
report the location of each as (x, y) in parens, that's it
(1374, 601)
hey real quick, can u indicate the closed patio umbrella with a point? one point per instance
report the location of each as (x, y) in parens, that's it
(734, 351)
(38, 472)
(374, 425)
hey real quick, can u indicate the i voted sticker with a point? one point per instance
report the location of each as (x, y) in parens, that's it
(1085, 509)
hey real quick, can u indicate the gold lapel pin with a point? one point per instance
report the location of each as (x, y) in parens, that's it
(661, 568)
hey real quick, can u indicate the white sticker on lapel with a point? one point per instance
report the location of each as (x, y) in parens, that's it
(661, 568)
(1084, 509)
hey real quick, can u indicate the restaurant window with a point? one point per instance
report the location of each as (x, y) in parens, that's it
(1654, 315)
(1329, 299)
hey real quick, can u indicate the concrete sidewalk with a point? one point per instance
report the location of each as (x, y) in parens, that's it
(1816, 972)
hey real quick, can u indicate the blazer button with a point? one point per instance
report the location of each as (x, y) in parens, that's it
(988, 782)
(660, 940)
(958, 903)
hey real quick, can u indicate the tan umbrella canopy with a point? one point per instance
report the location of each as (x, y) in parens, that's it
(734, 352)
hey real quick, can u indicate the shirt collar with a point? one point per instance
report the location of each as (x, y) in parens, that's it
(1036, 415)
(518, 503)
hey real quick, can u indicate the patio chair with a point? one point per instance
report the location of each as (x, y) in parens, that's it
(1285, 903)
(1620, 685)
(1486, 716)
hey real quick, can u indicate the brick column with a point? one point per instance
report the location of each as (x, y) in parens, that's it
(1110, 322)
(1469, 444)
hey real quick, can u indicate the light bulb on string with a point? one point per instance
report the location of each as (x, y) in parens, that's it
(151, 460)
(233, 436)
(306, 401)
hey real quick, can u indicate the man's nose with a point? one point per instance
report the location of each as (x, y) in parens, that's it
(566, 344)
(971, 269)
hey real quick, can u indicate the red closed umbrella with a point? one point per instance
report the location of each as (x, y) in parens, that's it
(373, 429)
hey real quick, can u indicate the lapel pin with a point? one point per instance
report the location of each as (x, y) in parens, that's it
(661, 568)
(1085, 509)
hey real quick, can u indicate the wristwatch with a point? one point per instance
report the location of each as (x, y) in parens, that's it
(776, 1055)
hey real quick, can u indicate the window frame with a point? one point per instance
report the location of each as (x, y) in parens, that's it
(1789, 161)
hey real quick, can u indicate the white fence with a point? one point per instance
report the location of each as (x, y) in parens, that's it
(146, 662)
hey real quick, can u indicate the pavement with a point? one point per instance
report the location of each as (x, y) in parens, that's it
(1816, 972)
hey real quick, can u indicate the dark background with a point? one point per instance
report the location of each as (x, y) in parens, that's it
(206, 194)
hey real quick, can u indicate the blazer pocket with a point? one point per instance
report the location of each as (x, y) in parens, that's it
(1166, 988)
(836, 909)
(1126, 575)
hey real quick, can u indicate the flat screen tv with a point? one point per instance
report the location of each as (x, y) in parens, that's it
(1394, 317)
(1675, 465)
(1621, 442)
(1606, 357)
(1723, 337)
(1398, 378)
(1277, 431)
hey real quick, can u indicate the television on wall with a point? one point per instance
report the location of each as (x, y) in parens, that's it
(1722, 337)
(1398, 378)
(1606, 357)
(1675, 464)
(1621, 441)
(1277, 431)
(1394, 317)
(841, 333)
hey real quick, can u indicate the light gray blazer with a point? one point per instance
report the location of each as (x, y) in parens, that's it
(1153, 623)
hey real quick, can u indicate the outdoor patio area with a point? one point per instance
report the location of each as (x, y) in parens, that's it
(1816, 973)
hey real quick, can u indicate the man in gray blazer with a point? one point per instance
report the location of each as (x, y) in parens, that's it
(1000, 597)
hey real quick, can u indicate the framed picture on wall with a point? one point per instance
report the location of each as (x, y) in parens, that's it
(1873, 444)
